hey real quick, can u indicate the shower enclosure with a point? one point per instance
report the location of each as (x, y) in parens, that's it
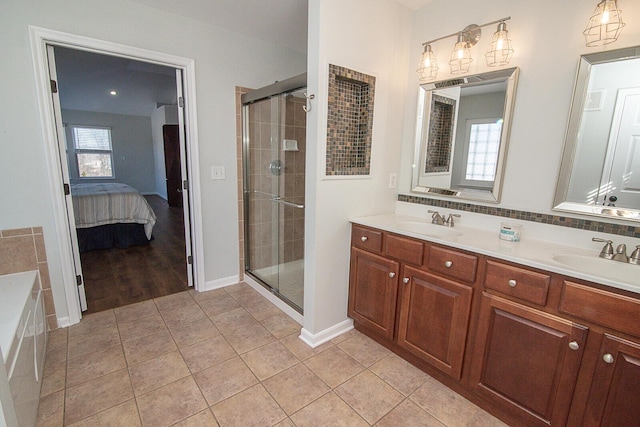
(274, 131)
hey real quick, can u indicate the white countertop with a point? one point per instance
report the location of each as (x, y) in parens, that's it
(15, 290)
(529, 251)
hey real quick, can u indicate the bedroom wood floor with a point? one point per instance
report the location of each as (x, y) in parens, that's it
(118, 277)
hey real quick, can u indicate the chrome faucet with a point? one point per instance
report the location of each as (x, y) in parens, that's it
(607, 250)
(449, 221)
(621, 253)
(436, 218)
(635, 256)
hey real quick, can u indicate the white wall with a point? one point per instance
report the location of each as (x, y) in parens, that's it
(547, 38)
(165, 115)
(223, 60)
(370, 36)
(131, 144)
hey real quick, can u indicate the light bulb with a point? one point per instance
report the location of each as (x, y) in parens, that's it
(605, 17)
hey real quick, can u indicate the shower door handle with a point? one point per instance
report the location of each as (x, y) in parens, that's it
(284, 202)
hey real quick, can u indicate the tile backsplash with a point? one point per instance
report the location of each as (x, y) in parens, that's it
(22, 249)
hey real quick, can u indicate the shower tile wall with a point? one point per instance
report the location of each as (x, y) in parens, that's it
(239, 92)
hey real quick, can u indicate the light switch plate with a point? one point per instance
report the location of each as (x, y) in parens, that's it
(393, 180)
(217, 172)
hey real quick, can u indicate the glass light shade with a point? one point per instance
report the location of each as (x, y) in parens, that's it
(604, 25)
(428, 66)
(500, 50)
(460, 57)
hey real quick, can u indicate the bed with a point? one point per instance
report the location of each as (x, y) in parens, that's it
(111, 215)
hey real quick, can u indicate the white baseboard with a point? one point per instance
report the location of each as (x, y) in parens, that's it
(286, 308)
(63, 322)
(219, 283)
(314, 340)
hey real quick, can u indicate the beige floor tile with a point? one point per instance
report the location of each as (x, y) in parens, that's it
(51, 410)
(371, 397)
(242, 286)
(169, 302)
(334, 366)
(207, 295)
(300, 348)
(148, 347)
(233, 319)
(56, 352)
(94, 365)
(263, 309)
(408, 414)
(125, 414)
(58, 336)
(135, 311)
(281, 325)
(201, 419)
(247, 297)
(94, 396)
(295, 388)
(158, 372)
(249, 337)
(181, 316)
(191, 333)
(224, 380)
(443, 403)
(172, 403)
(481, 418)
(345, 336)
(81, 344)
(364, 349)
(329, 410)
(137, 328)
(92, 323)
(53, 377)
(399, 373)
(285, 423)
(269, 359)
(220, 304)
(234, 411)
(204, 354)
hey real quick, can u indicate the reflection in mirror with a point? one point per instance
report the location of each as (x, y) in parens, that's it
(462, 131)
(600, 172)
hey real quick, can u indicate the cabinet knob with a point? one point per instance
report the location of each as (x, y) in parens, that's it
(608, 358)
(364, 238)
(448, 264)
(405, 280)
(392, 274)
(573, 345)
(512, 283)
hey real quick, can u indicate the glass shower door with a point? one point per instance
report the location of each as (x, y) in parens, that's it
(274, 155)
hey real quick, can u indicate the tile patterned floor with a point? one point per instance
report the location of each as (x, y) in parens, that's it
(230, 358)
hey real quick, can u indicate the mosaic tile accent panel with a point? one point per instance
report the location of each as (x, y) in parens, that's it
(563, 221)
(440, 134)
(349, 122)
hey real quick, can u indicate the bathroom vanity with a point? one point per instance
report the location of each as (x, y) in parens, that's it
(23, 339)
(511, 326)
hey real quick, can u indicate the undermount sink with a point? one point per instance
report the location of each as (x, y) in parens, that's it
(614, 270)
(428, 229)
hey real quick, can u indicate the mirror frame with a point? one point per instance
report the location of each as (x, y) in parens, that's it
(560, 202)
(508, 75)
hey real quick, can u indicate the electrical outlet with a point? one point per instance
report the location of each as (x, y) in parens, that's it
(217, 172)
(393, 180)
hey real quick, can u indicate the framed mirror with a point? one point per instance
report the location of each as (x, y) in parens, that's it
(600, 170)
(462, 133)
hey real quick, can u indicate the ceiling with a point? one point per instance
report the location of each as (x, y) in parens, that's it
(85, 79)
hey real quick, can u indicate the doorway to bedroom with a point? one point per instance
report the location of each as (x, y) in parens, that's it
(123, 156)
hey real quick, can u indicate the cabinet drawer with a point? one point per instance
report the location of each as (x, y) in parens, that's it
(366, 238)
(519, 283)
(605, 308)
(453, 263)
(405, 249)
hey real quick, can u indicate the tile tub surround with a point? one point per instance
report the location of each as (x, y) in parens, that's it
(561, 220)
(22, 249)
(228, 357)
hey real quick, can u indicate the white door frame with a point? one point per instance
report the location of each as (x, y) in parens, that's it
(39, 38)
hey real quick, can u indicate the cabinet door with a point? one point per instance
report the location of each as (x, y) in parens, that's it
(614, 399)
(373, 288)
(434, 319)
(526, 361)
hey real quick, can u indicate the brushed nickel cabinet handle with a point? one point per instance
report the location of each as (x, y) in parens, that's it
(512, 283)
(392, 274)
(405, 280)
(364, 238)
(573, 345)
(448, 264)
(608, 358)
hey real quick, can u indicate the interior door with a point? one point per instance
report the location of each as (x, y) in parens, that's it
(621, 175)
(172, 163)
(182, 137)
(64, 163)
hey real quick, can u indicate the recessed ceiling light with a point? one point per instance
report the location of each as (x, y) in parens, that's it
(113, 92)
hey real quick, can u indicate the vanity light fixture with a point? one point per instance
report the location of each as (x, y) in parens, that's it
(605, 24)
(499, 53)
(500, 50)
(428, 66)
(113, 93)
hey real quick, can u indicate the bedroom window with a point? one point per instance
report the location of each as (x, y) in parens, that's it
(93, 151)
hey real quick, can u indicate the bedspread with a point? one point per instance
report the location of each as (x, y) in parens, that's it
(110, 203)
